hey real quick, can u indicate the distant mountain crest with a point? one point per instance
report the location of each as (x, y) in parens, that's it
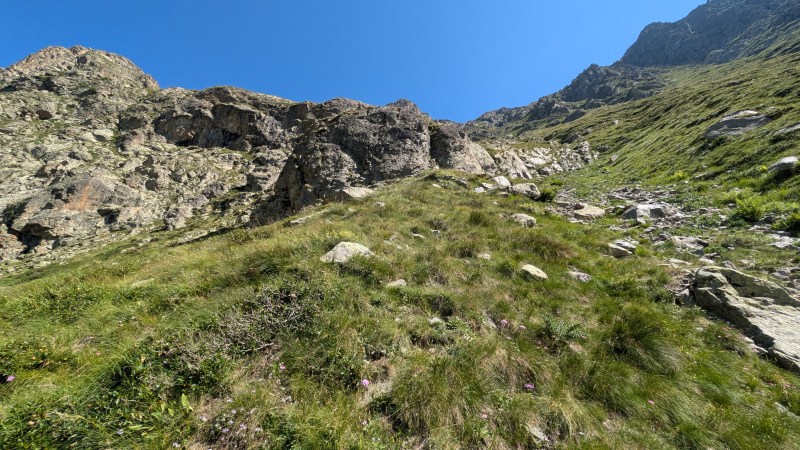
(719, 31)
(716, 32)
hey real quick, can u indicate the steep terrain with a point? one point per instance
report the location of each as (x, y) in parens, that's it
(92, 147)
(227, 269)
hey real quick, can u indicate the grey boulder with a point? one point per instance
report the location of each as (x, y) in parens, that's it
(344, 252)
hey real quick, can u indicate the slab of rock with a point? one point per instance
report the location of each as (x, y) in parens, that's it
(344, 252)
(784, 165)
(524, 220)
(765, 311)
(352, 193)
(533, 272)
(737, 124)
(622, 249)
(589, 212)
(529, 190)
(788, 130)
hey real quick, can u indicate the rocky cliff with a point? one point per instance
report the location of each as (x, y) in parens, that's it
(92, 146)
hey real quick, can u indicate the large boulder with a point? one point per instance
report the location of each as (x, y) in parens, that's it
(452, 149)
(765, 311)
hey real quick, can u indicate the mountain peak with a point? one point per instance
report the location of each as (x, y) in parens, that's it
(53, 60)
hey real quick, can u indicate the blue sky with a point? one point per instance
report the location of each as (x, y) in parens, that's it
(454, 58)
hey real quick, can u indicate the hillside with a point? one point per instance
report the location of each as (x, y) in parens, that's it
(248, 340)
(612, 266)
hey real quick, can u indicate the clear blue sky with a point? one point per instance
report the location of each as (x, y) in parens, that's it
(454, 58)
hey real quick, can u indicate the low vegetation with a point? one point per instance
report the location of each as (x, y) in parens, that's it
(247, 340)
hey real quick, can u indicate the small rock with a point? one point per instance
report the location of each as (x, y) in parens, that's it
(485, 256)
(524, 220)
(300, 221)
(529, 190)
(435, 321)
(622, 249)
(397, 284)
(345, 251)
(580, 276)
(647, 211)
(533, 272)
(480, 190)
(502, 182)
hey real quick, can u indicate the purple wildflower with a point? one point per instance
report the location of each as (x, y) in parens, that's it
(530, 387)
(504, 323)
(365, 382)
(10, 378)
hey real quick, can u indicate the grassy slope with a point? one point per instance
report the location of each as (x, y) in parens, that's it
(247, 340)
(659, 140)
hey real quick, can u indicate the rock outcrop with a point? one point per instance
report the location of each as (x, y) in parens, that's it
(766, 312)
(92, 146)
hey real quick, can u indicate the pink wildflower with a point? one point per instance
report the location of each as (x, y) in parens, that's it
(10, 378)
(365, 382)
(504, 323)
(530, 387)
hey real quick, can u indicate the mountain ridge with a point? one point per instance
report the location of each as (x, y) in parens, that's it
(724, 31)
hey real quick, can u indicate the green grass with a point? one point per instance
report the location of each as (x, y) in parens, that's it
(247, 340)
(659, 141)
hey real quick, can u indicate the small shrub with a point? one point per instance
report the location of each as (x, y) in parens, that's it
(481, 219)
(557, 335)
(750, 209)
(792, 223)
(548, 195)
